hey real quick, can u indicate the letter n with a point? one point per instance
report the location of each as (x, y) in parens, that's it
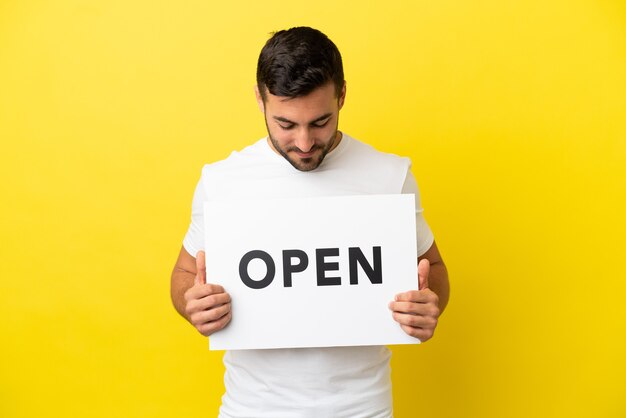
(356, 256)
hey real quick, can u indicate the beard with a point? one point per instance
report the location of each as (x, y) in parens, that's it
(305, 164)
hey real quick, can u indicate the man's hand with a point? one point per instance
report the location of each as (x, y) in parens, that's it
(417, 311)
(207, 306)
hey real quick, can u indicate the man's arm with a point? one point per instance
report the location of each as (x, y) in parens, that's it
(438, 277)
(418, 311)
(205, 306)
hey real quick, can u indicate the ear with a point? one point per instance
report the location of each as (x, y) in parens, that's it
(342, 95)
(259, 99)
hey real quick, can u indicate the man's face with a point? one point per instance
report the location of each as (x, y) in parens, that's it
(303, 129)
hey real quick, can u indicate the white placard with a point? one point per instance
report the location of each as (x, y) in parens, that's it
(325, 304)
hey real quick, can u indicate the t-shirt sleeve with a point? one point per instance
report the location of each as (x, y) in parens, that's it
(194, 238)
(425, 236)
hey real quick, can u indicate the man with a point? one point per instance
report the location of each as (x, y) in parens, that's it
(300, 90)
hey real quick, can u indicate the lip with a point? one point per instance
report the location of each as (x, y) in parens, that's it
(305, 154)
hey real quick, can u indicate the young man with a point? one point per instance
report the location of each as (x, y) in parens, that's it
(300, 90)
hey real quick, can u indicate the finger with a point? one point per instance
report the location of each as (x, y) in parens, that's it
(211, 315)
(200, 291)
(200, 268)
(429, 309)
(211, 327)
(421, 334)
(212, 289)
(204, 303)
(415, 321)
(212, 301)
(405, 307)
(408, 307)
(417, 296)
(423, 270)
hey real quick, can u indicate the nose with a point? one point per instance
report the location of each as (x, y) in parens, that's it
(304, 140)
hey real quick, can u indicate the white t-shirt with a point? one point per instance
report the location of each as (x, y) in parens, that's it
(306, 382)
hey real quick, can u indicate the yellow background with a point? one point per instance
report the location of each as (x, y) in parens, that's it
(512, 111)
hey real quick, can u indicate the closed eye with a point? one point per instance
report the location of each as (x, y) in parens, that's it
(320, 125)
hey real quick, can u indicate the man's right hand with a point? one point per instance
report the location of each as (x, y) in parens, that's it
(207, 305)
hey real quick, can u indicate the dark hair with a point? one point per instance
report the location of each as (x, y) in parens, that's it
(295, 62)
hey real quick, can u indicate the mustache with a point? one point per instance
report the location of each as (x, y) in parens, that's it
(296, 149)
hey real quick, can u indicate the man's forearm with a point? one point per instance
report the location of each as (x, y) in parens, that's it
(182, 280)
(438, 283)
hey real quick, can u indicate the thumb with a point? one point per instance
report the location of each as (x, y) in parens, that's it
(200, 268)
(423, 270)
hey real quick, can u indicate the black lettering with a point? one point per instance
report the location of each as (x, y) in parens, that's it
(289, 269)
(243, 269)
(323, 266)
(374, 274)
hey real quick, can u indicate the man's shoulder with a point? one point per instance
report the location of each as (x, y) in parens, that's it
(251, 153)
(363, 151)
(365, 168)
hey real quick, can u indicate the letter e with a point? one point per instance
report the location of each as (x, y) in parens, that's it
(323, 266)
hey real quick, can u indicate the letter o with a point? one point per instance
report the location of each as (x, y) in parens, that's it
(243, 269)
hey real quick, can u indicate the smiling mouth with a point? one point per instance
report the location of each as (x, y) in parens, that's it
(307, 154)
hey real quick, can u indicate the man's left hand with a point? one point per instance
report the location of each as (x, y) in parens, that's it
(417, 311)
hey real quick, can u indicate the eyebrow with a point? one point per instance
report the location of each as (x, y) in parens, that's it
(285, 120)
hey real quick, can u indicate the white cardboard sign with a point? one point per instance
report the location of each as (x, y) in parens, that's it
(311, 272)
